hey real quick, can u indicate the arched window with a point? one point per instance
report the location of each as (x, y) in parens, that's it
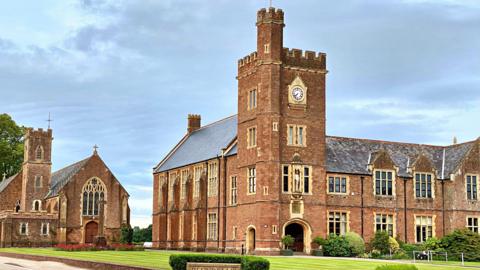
(93, 193)
(37, 205)
(17, 206)
(38, 181)
(39, 153)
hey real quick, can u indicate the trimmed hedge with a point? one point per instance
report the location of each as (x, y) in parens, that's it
(179, 261)
(397, 267)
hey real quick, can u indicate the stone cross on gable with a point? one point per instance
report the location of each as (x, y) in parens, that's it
(95, 147)
(49, 120)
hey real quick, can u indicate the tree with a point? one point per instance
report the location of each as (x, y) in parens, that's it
(11, 146)
(142, 235)
(462, 241)
(126, 236)
(287, 241)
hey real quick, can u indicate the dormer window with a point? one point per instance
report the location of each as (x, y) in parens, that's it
(39, 153)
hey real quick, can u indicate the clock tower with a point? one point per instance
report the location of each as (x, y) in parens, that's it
(281, 136)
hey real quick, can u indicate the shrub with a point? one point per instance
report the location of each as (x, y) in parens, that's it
(410, 248)
(179, 261)
(381, 242)
(337, 246)
(397, 267)
(393, 245)
(433, 244)
(126, 247)
(319, 241)
(76, 247)
(462, 241)
(357, 245)
(375, 254)
(126, 236)
(287, 241)
(400, 255)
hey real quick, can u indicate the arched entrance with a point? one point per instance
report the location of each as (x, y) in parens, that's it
(301, 231)
(250, 240)
(91, 231)
(296, 231)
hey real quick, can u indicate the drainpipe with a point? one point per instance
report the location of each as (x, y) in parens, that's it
(405, 227)
(225, 180)
(443, 207)
(206, 209)
(218, 203)
(166, 209)
(362, 206)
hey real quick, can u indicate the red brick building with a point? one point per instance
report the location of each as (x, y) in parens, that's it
(271, 170)
(41, 208)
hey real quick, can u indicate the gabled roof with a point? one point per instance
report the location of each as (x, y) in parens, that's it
(200, 145)
(344, 155)
(6, 182)
(348, 155)
(61, 177)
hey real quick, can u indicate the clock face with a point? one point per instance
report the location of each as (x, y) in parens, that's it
(297, 93)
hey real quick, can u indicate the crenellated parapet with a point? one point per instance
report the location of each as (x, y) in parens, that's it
(271, 15)
(304, 59)
(247, 61)
(31, 132)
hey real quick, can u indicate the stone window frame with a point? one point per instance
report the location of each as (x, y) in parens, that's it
(302, 177)
(294, 138)
(251, 180)
(161, 182)
(432, 191)
(197, 177)
(340, 176)
(172, 177)
(394, 181)
(38, 181)
(432, 225)
(194, 226)
(212, 179)
(91, 188)
(251, 137)
(252, 101)
(274, 229)
(39, 153)
(233, 190)
(469, 197)
(21, 227)
(212, 226)
(43, 225)
(184, 174)
(394, 222)
(34, 204)
(346, 222)
(474, 228)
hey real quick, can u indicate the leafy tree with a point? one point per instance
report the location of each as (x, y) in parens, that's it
(142, 235)
(11, 146)
(357, 245)
(337, 246)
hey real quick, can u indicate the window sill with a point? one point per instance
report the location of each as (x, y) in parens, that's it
(337, 193)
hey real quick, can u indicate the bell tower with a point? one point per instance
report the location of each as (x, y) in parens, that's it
(281, 134)
(36, 169)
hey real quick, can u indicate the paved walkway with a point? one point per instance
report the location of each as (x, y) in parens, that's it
(19, 264)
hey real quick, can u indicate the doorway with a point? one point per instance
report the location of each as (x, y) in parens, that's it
(296, 231)
(251, 240)
(91, 231)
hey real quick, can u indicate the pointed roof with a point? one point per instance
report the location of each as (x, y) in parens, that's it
(61, 177)
(201, 145)
(6, 182)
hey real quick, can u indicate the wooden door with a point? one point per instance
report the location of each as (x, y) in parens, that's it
(91, 231)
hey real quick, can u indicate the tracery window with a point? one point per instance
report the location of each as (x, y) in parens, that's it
(93, 192)
(39, 153)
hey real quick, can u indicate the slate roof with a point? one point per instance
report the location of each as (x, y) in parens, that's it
(344, 155)
(347, 155)
(6, 182)
(203, 144)
(61, 177)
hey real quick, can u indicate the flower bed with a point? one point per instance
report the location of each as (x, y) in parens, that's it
(91, 247)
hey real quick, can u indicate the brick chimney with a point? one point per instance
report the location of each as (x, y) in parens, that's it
(194, 122)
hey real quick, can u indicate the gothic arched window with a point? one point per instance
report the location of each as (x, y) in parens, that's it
(93, 192)
(37, 205)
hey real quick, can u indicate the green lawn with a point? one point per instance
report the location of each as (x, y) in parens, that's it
(159, 260)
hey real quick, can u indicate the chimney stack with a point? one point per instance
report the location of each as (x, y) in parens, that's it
(194, 122)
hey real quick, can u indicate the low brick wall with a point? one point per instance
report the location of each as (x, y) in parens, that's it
(72, 262)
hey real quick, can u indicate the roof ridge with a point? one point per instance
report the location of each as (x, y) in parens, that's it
(215, 122)
(403, 143)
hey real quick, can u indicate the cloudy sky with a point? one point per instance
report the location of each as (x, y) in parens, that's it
(124, 74)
